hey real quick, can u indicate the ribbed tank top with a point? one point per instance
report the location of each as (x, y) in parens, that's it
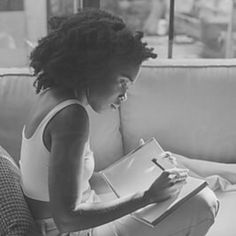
(34, 160)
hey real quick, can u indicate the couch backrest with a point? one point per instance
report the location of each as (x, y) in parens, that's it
(17, 95)
(188, 105)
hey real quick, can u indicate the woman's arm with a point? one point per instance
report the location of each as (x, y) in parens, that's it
(206, 168)
(69, 133)
(99, 184)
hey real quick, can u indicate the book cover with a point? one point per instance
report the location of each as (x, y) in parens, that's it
(136, 172)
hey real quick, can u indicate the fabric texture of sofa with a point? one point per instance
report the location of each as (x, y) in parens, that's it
(15, 217)
(188, 105)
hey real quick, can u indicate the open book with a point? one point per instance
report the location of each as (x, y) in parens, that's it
(136, 172)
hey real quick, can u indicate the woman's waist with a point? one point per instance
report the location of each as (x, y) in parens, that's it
(39, 190)
(42, 209)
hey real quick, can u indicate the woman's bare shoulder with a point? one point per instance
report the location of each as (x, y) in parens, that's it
(72, 120)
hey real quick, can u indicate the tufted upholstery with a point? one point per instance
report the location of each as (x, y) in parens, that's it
(15, 217)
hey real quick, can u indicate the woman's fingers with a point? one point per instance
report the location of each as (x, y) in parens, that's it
(176, 175)
(178, 171)
(141, 142)
(168, 184)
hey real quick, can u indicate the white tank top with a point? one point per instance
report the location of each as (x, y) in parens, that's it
(34, 160)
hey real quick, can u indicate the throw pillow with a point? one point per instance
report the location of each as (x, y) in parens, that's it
(15, 217)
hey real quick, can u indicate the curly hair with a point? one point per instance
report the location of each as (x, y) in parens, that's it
(80, 49)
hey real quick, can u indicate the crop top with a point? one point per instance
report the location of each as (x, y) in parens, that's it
(34, 160)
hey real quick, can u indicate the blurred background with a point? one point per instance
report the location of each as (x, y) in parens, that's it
(202, 29)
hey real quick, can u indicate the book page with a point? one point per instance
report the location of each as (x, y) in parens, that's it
(136, 172)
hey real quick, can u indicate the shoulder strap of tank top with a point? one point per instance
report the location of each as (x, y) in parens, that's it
(54, 111)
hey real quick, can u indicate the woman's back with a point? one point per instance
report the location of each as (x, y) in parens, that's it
(35, 151)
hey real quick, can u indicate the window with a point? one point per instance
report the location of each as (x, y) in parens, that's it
(202, 29)
(61, 7)
(22, 24)
(13, 51)
(64, 8)
(11, 5)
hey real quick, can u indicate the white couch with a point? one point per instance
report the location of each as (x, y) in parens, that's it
(188, 105)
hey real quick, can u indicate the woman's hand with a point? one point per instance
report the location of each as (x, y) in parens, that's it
(167, 185)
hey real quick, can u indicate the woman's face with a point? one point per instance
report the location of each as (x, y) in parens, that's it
(108, 96)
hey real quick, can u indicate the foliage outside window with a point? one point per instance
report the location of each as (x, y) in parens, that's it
(13, 47)
(11, 5)
(202, 28)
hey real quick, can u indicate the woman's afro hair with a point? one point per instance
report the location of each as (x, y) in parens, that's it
(80, 49)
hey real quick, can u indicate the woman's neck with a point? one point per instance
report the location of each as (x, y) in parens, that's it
(64, 93)
(81, 96)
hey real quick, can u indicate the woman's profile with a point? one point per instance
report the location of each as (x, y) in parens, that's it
(91, 58)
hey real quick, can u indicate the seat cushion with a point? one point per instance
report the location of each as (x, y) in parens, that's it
(15, 217)
(224, 223)
(105, 137)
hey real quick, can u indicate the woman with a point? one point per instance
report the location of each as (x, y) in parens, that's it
(92, 58)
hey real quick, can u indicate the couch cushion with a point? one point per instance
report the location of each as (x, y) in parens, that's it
(15, 217)
(16, 96)
(106, 140)
(224, 221)
(189, 106)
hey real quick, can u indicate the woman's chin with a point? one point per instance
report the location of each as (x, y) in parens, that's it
(100, 109)
(104, 108)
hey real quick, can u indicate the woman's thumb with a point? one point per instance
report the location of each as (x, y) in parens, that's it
(141, 142)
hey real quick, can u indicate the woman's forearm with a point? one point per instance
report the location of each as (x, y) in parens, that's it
(206, 168)
(89, 215)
